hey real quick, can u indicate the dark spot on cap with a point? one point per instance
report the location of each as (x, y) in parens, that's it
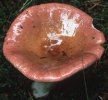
(21, 26)
(7, 43)
(34, 26)
(26, 12)
(93, 37)
(42, 57)
(64, 53)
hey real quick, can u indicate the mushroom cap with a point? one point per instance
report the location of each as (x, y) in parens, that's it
(50, 42)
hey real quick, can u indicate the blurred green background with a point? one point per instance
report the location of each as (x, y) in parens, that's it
(15, 86)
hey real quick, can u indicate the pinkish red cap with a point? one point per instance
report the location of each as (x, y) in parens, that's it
(51, 42)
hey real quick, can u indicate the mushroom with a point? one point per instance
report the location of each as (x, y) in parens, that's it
(50, 42)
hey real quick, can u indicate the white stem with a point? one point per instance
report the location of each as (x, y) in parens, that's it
(41, 89)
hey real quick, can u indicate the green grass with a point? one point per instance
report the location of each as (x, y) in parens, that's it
(15, 86)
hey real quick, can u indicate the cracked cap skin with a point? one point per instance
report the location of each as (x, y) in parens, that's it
(50, 42)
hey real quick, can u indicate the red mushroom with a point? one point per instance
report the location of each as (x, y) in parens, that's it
(50, 42)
